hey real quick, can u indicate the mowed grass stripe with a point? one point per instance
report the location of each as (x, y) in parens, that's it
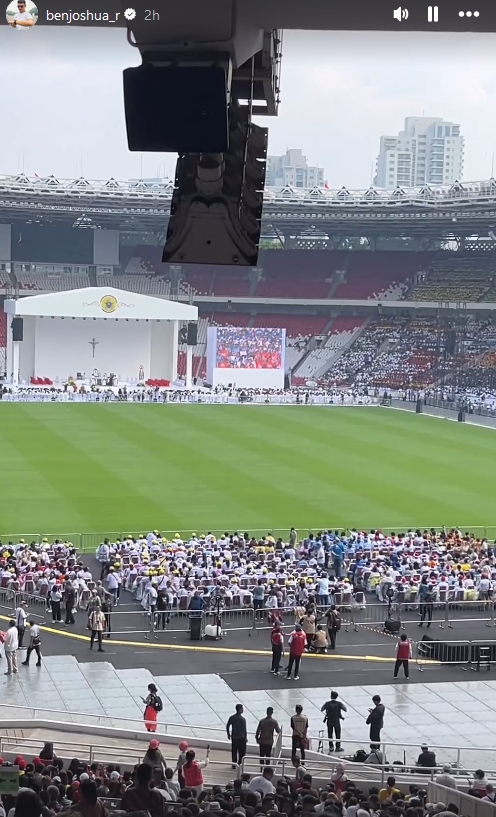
(28, 504)
(243, 479)
(443, 477)
(84, 467)
(125, 467)
(186, 478)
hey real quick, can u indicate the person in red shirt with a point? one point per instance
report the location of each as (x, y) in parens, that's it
(297, 643)
(277, 642)
(403, 655)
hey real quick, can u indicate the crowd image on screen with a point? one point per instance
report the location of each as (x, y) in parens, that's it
(249, 348)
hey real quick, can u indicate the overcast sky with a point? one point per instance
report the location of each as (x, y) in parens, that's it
(62, 107)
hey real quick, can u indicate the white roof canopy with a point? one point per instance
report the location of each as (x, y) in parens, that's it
(101, 302)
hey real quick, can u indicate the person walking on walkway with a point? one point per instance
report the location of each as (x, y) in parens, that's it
(264, 736)
(277, 642)
(299, 739)
(333, 710)
(376, 719)
(34, 644)
(97, 625)
(403, 655)
(153, 705)
(297, 643)
(237, 734)
(11, 645)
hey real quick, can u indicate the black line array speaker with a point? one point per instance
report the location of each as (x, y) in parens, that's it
(17, 329)
(192, 334)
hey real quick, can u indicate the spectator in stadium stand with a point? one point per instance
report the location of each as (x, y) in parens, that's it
(375, 719)
(388, 791)
(47, 755)
(490, 796)
(89, 804)
(264, 736)
(479, 784)
(27, 804)
(426, 760)
(446, 779)
(297, 643)
(154, 756)
(333, 617)
(277, 643)
(141, 797)
(237, 734)
(263, 783)
(299, 727)
(183, 748)
(403, 655)
(192, 771)
(333, 716)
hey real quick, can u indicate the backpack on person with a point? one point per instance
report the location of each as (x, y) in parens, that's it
(157, 703)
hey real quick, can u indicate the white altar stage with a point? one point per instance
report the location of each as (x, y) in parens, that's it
(95, 329)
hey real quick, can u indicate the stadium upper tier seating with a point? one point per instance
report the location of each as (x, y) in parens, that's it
(384, 274)
(402, 353)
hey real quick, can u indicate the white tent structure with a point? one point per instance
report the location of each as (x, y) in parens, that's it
(95, 329)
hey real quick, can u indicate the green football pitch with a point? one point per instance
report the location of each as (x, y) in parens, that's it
(80, 468)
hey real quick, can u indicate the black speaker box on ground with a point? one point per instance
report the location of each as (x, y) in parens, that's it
(17, 330)
(392, 625)
(176, 110)
(192, 334)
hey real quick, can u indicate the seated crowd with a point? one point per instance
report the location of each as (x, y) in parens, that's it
(50, 787)
(265, 572)
(401, 353)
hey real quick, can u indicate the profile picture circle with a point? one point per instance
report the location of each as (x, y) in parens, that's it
(22, 14)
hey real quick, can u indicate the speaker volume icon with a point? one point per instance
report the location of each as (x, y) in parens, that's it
(400, 14)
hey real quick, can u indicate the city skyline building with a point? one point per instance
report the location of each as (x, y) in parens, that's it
(427, 151)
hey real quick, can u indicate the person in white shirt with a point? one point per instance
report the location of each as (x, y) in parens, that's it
(11, 645)
(113, 584)
(22, 19)
(34, 644)
(21, 616)
(262, 783)
(446, 779)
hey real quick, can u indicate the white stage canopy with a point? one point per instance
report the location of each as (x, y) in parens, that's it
(96, 328)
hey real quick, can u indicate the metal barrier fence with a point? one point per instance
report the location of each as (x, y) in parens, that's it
(11, 599)
(441, 614)
(89, 542)
(477, 654)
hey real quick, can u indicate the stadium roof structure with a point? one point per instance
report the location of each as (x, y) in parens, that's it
(97, 302)
(133, 206)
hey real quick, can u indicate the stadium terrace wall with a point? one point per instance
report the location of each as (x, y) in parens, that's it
(446, 413)
(338, 305)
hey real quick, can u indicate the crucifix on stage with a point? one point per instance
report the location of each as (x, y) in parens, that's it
(93, 343)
